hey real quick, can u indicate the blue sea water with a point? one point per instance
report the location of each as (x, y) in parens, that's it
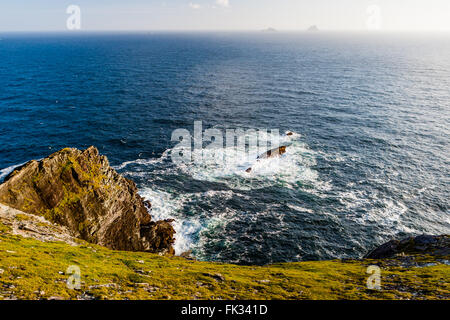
(370, 160)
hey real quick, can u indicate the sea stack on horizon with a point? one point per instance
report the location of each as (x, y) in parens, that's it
(269, 30)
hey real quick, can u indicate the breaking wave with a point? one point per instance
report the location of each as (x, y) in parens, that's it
(4, 172)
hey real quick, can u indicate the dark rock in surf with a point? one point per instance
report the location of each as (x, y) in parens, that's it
(424, 244)
(270, 154)
(273, 153)
(148, 205)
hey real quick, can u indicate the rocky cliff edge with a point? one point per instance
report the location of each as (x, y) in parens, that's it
(80, 191)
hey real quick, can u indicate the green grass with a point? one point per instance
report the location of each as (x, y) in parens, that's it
(31, 269)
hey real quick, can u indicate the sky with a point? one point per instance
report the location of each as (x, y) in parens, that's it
(339, 15)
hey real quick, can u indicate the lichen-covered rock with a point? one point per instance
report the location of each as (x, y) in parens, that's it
(425, 244)
(79, 190)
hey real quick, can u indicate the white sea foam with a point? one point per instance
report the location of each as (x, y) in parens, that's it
(188, 228)
(145, 162)
(196, 227)
(298, 208)
(228, 165)
(4, 172)
(370, 209)
(167, 206)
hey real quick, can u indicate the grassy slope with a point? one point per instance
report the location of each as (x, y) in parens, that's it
(30, 269)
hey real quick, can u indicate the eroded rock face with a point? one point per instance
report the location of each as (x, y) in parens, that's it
(425, 244)
(79, 190)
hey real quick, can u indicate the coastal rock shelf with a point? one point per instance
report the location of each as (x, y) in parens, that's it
(80, 191)
(435, 245)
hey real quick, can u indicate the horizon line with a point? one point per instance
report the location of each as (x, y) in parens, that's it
(263, 30)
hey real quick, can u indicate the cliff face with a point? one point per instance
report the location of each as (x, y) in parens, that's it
(79, 190)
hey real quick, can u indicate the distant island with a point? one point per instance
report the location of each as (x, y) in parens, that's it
(269, 30)
(313, 29)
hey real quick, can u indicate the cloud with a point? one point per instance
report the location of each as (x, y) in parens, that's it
(223, 3)
(194, 5)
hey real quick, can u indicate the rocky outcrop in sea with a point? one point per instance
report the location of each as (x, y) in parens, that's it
(80, 191)
(423, 244)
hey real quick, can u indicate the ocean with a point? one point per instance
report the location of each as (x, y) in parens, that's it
(369, 160)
